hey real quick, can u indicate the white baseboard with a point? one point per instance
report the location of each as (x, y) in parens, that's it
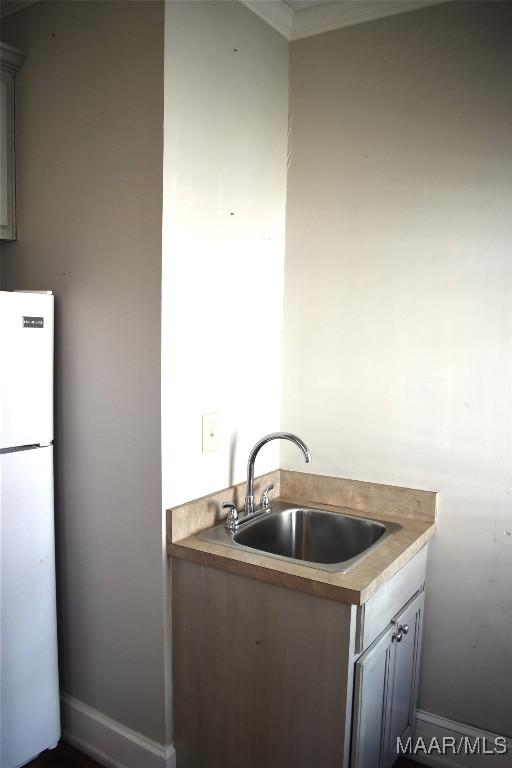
(115, 746)
(429, 727)
(107, 741)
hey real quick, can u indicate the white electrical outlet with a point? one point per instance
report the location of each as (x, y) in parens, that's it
(210, 432)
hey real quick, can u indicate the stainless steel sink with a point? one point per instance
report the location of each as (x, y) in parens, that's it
(331, 541)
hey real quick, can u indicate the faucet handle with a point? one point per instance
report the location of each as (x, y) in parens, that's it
(232, 518)
(265, 503)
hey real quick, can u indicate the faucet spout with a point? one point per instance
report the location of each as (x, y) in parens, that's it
(249, 499)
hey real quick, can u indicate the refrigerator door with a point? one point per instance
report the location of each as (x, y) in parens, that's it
(29, 691)
(26, 364)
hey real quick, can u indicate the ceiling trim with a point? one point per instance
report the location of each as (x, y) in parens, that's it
(9, 7)
(276, 13)
(294, 25)
(324, 18)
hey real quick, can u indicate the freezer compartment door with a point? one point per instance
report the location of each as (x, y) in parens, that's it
(30, 720)
(26, 365)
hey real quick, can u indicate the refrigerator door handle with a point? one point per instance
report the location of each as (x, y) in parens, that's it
(31, 447)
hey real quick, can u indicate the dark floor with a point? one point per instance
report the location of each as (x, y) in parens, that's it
(63, 757)
(67, 757)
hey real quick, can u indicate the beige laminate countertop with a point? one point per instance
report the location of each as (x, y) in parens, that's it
(413, 510)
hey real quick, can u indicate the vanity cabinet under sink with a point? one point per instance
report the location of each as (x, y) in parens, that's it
(267, 676)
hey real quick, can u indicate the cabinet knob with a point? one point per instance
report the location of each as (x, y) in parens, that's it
(402, 629)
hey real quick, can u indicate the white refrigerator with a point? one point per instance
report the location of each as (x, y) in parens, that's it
(29, 685)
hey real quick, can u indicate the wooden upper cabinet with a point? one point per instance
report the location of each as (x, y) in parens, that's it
(10, 60)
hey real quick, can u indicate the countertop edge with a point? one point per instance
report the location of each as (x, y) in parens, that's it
(187, 549)
(264, 573)
(397, 564)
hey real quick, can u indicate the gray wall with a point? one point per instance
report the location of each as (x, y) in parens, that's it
(398, 306)
(89, 152)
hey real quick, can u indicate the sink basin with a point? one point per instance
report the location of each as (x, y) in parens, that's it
(313, 535)
(330, 541)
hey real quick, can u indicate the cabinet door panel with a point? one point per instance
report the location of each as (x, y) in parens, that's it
(404, 694)
(6, 139)
(373, 688)
(10, 60)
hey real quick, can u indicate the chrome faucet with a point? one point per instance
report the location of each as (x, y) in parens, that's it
(233, 519)
(249, 498)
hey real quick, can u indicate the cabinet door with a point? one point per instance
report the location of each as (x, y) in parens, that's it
(404, 695)
(7, 155)
(372, 703)
(386, 689)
